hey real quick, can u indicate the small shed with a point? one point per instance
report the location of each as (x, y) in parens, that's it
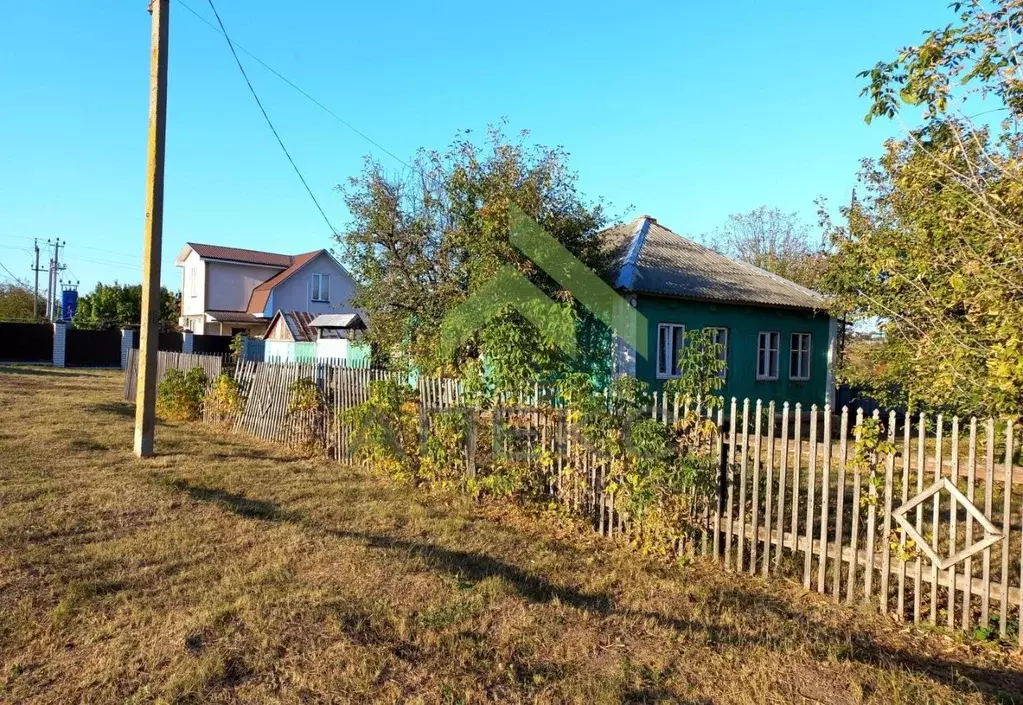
(289, 337)
(339, 336)
(298, 336)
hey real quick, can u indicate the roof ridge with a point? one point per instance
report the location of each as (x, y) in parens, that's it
(242, 249)
(628, 270)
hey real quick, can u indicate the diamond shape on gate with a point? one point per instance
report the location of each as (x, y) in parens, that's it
(991, 535)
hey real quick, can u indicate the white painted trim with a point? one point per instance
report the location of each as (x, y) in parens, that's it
(768, 377)
(809, 356)
(657, 360)
(832, 360)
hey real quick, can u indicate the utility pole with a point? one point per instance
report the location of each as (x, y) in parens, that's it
(152, 244)
(58, 310)
(53, 279)
(35, 292)
(49, 286)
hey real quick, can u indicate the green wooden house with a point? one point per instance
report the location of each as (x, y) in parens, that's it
(778, 340)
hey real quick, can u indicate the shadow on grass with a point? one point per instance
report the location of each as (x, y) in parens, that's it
(39, 371)
(238, 504)
(117, 408)
(475, 566)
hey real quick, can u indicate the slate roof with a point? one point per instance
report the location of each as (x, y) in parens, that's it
(297, 323)
(652, 259)
(260, 295)
(237, 254)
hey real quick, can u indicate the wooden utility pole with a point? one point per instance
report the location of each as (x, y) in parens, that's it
(145, 401)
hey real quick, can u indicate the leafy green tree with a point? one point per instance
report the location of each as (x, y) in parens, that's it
(17, 302)
(773, 240)
(932, 252)
(421, 244)
(119, 305)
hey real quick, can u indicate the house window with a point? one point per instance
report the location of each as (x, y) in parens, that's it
(799, 357)
(670, 337)
(767, 355)
(719, 336)
(321, 287)
(192, 288)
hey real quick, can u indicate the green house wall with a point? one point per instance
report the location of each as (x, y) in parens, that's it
(744, 323)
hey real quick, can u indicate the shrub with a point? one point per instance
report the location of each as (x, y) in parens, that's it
(180, 395)
(223, 400)
(306, 413)
(385, 429)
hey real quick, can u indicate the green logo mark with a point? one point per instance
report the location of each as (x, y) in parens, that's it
(510, 289)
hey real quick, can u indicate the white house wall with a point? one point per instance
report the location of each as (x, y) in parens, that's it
(193, 305)
(230, 285)
(295, 294)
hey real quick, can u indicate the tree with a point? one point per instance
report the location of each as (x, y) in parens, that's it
(772, 240)
(421, 243)
(120, 305)
(933, 251)
(17, 303)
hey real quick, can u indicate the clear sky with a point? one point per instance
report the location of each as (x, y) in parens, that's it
(686, 111)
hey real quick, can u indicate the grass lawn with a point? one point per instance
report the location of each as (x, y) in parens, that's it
(226, 570)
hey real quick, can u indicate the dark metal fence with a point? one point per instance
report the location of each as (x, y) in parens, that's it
(26, 342)
(100, 348)
(211, 344)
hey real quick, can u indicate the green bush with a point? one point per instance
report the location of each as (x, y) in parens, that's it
(180, 395)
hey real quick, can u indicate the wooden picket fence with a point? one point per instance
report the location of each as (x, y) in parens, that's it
(212, 365)
(789, 501)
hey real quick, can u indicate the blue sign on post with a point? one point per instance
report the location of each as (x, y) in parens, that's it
(68, 304)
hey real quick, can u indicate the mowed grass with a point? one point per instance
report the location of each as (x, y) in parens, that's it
(226, 570)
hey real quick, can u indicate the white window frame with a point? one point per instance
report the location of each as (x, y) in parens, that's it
(193, 276)
(665, 354)
(319, 284)
(765, 353)
(719, 336)
(800, 351)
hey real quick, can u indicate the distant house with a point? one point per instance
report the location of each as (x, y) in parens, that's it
(778, 340)
(228, 290)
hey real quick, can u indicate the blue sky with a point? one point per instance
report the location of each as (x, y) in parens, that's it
(688, 112)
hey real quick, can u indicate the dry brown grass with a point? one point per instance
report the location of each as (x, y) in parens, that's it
(227, 571)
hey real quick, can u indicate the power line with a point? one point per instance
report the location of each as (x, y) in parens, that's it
(252, 90)
(297, 88)
(14, 277)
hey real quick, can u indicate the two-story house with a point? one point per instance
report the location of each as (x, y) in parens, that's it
(228, 290)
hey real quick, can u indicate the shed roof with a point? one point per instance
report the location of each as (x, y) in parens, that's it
(297, 323)
(652, 259)
(338, 320)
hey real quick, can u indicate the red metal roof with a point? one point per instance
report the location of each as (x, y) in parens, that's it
(237, 254)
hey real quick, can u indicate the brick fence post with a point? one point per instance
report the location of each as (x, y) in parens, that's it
(187, 341)
(127, 342)
(59, 343)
